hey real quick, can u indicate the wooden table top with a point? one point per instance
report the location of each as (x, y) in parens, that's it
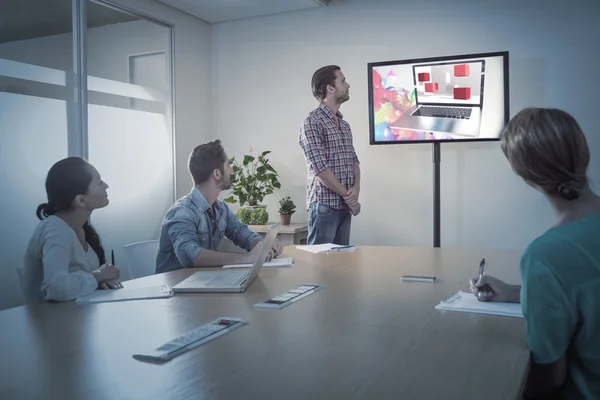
(365, 336)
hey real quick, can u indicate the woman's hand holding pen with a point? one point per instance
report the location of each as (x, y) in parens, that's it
(111, 284)
(108, 277)
(494, 290)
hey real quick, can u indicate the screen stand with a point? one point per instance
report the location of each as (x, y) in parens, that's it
(436, 194)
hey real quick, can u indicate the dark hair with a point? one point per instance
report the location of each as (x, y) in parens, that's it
(204, 159)
(323, 77)
(67, 179)
(547, 148)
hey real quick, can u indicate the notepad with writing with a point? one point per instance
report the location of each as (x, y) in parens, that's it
(467, 302)
(278, 262)
(325, 248)
(126, 294)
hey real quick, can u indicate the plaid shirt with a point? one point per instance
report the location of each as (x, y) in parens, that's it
(325, 145)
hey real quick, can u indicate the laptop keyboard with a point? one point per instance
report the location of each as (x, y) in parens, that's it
(444, 112)
(233, 278)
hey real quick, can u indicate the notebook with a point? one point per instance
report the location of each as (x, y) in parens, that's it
(278, 262)
(325, 248)
(126, 294)
(467, 302)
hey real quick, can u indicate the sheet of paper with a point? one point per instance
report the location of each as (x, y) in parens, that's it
(467, 302)
(324, 248)
(126, 294)
(278, 262)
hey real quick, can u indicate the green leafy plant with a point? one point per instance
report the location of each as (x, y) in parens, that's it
(259, 216)
(252, 216)
(253, 180)
(243, 214)
(286, 206)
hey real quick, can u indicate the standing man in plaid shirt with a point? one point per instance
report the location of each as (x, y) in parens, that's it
(333, 169)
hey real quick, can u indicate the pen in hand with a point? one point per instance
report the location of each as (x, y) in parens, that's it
(485, 292)
(112, 257)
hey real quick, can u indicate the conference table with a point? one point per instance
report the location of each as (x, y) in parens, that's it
(365, 335)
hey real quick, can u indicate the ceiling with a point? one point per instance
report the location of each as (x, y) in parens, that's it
(28, 19)
(226, 10)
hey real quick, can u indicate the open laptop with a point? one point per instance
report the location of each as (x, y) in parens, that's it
(228, 280)
(449, 98)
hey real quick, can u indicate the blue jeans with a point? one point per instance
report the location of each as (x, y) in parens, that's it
(328, 225)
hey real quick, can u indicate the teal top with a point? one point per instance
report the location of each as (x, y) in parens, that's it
(560, 296)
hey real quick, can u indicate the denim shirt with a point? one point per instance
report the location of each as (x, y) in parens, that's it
(189, 227)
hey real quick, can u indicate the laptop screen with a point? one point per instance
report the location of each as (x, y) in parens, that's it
(452, 83)
(266, 244)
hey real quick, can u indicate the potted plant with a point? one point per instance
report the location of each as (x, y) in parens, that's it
(251, 182)
(252, 216)
(286, 209)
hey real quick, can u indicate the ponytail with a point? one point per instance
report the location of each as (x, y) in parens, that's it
(92, 237)
(568, 191)
(45, 210)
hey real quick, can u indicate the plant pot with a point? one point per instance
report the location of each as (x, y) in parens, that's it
(285, 219)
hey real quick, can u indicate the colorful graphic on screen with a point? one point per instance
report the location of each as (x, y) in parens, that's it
(453, 99)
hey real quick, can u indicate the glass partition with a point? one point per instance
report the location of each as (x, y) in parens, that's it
(123, 124)
(38, 114)
(130, 133)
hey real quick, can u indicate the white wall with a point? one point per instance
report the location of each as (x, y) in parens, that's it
(261, 71)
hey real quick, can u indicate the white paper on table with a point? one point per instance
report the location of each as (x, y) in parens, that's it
(278, 262)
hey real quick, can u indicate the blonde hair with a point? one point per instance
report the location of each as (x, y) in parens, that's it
(547, 148)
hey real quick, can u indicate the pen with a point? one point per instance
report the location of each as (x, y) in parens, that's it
(417, 278)
(112, 257)
(484, 293)
(340, 248)
(481, 268)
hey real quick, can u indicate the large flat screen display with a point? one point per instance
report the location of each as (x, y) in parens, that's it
(450, 98)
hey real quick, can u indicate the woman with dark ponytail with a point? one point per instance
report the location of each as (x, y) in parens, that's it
(65, 251)
(560, 270)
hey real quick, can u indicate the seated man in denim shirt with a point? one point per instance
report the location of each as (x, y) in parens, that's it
(194, 226)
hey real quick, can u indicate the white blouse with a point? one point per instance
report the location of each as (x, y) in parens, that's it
(58, 265)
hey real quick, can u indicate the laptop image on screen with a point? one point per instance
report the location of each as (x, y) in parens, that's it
(449, 98)
(228, 280)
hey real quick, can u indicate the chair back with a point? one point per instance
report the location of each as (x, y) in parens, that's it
(141, 257)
